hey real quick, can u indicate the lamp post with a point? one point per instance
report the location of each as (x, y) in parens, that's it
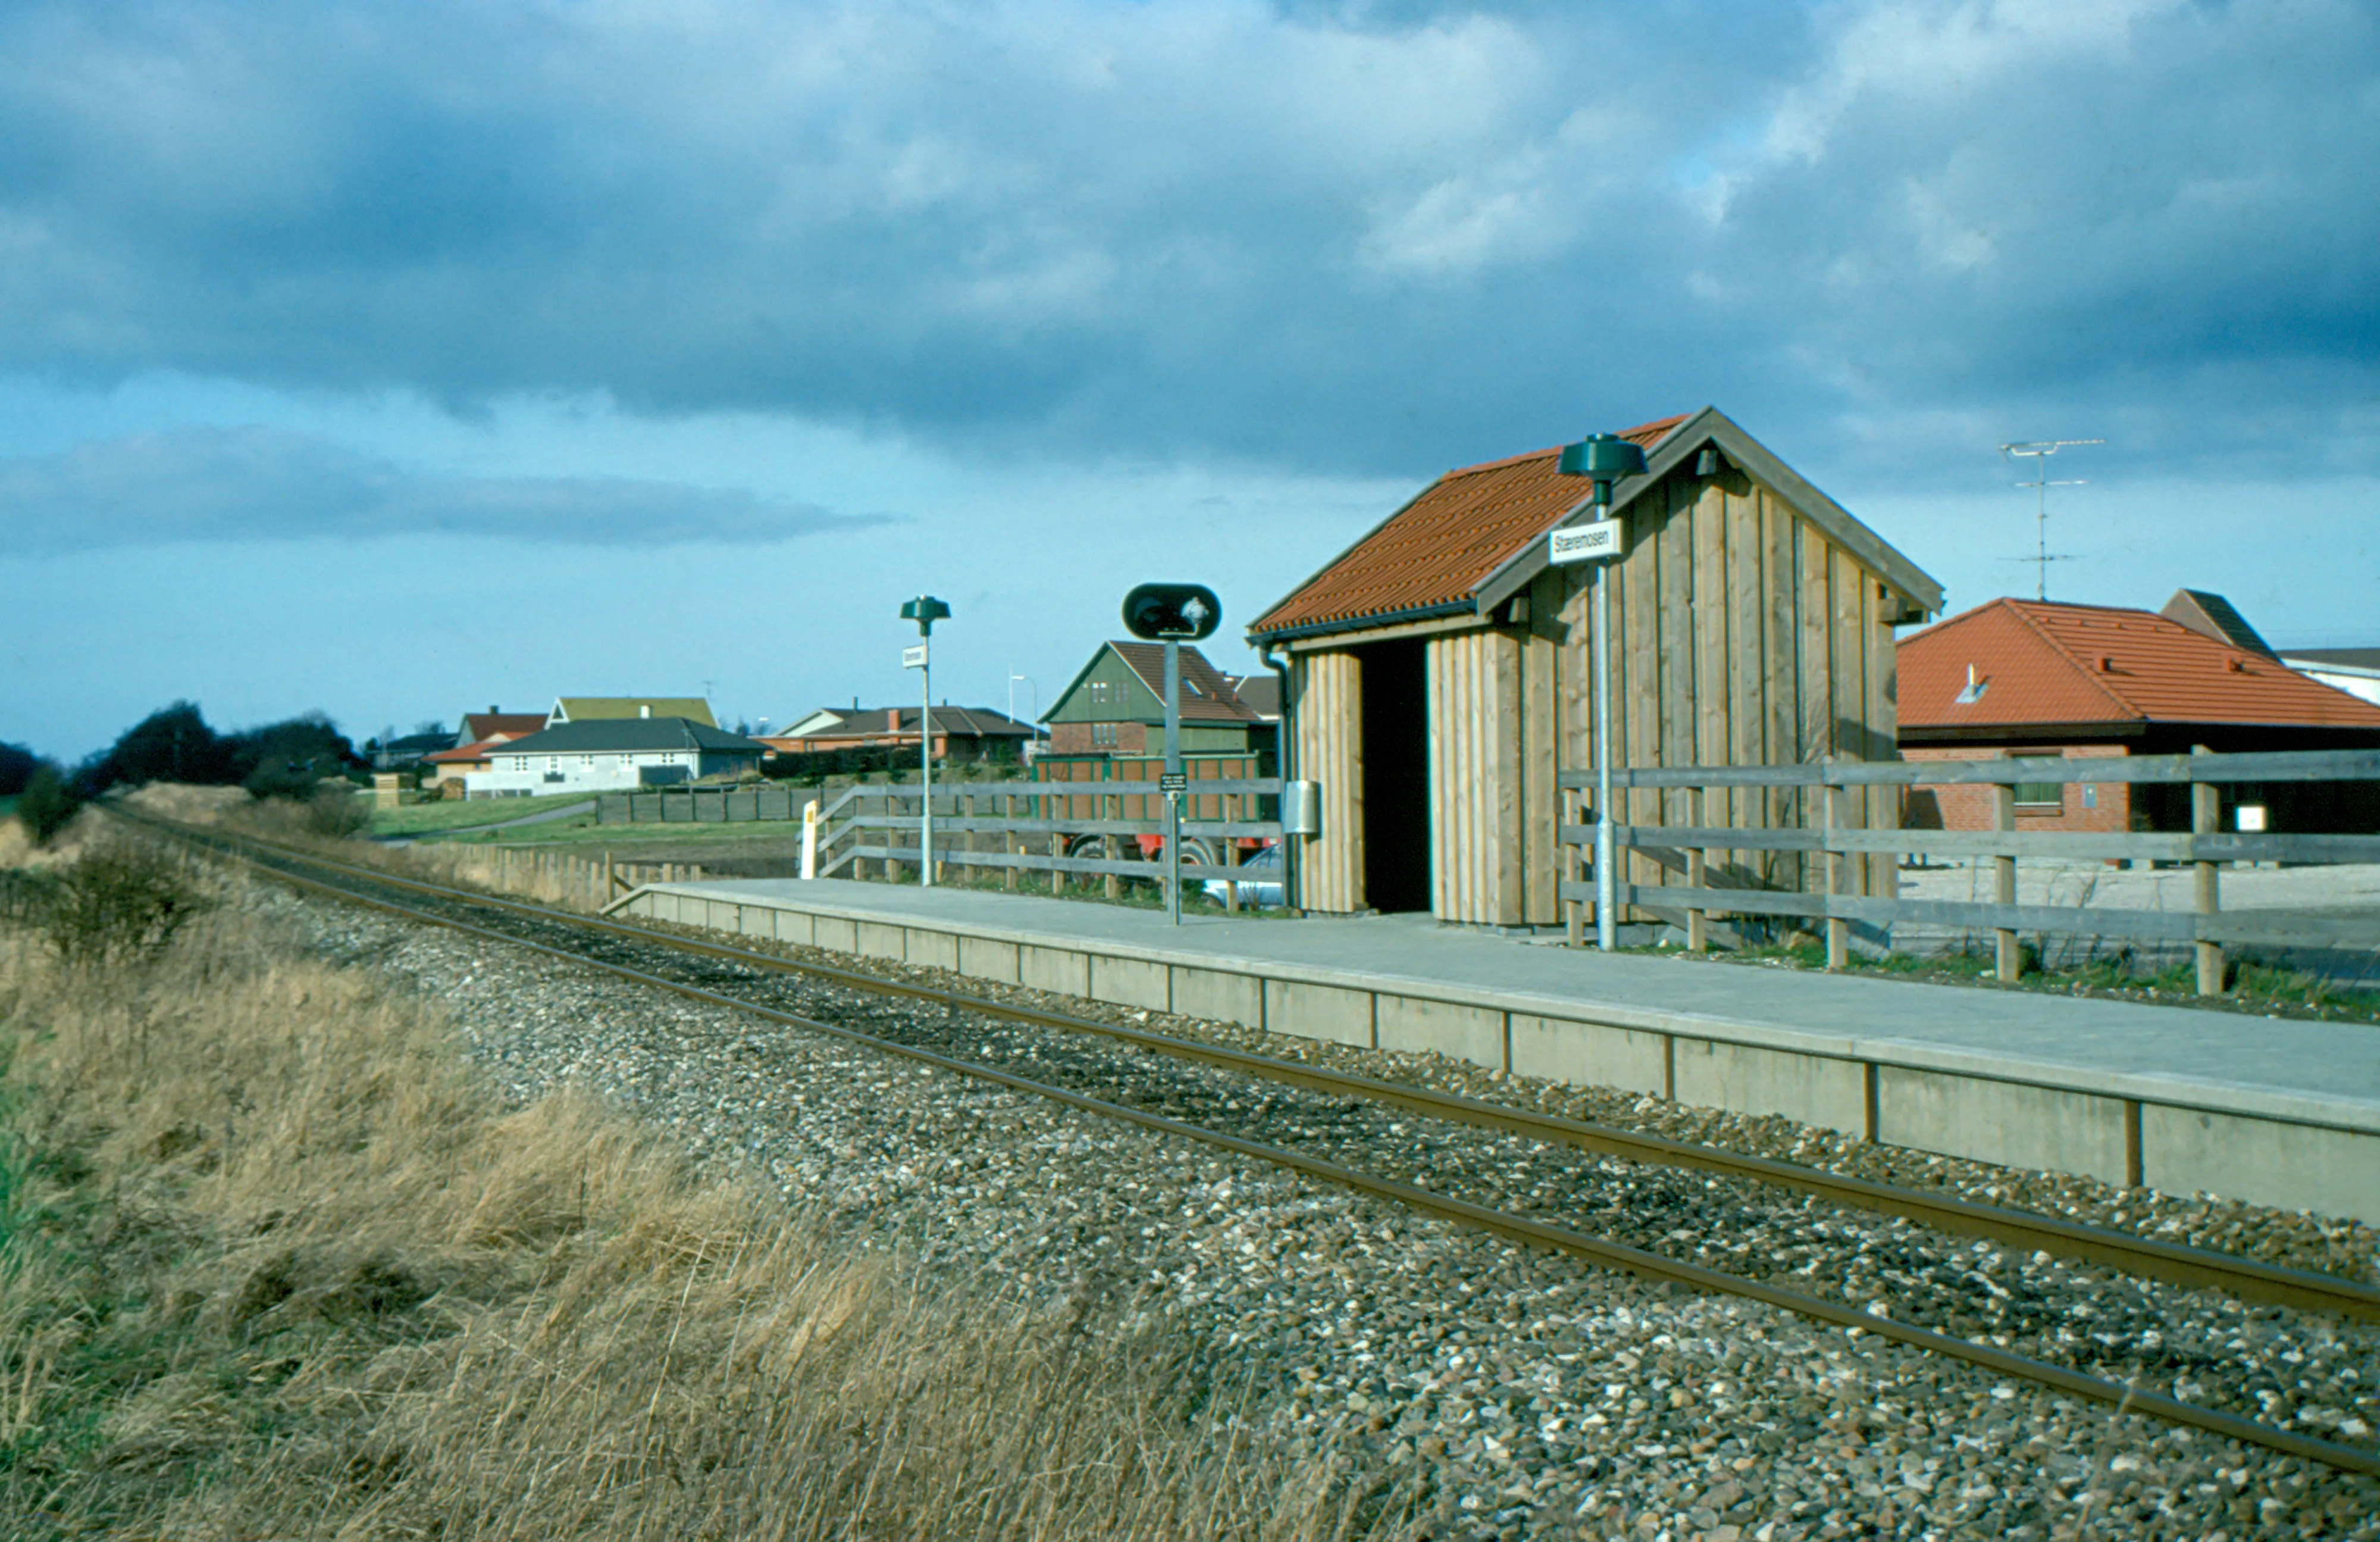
(1606, 458)
(925, 611)
(1035, 708)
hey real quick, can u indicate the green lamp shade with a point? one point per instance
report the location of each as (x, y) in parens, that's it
(1607, 458)
(925, 611)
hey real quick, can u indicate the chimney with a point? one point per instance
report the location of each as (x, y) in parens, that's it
(492, 708)
(644, 709)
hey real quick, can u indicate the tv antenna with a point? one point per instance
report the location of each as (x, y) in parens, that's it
(2039, 451)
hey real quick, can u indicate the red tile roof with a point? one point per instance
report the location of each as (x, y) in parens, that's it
(508, 725)
(2043, 662)
(1440, 548)
(465, 754)
(1207, 693)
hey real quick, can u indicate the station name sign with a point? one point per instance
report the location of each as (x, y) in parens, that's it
(1588, 542)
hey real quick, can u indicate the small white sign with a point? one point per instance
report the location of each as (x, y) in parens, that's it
(2251, 816)
(1589, 542)
(913, 658)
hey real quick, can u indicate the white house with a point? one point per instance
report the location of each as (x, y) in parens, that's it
(608, 755)
(2355, 671)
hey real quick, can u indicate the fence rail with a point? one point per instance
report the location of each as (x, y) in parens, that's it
(2305, 765)
(1709, 895)
(961, 833)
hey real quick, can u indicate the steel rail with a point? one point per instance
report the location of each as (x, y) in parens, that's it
(2122, 1396)
(2173, 1263)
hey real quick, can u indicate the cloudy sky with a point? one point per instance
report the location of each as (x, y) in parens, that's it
(400, 360)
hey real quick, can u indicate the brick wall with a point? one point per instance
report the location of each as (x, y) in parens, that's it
(2087, 805)
(1084, 738)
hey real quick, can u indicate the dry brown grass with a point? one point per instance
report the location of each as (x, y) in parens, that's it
(169, 800)
(273, 1266)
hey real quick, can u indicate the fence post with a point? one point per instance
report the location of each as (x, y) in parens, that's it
(2205, 816)
(1574, 910)
(1113, 886)
(1839, 872)
(1057, 854)
(2008, 959)
(1228, 849)
(1010, 842)
(1698, 918)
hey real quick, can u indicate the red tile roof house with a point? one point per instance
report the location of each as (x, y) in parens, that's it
(480, 733)
(1440, 669)
(962, 735)
(1109, 725)
(2039, 677)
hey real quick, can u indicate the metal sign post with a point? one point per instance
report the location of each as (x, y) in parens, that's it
(925, 611)
(1607, 459)
(1173, 771)
(1172, 614)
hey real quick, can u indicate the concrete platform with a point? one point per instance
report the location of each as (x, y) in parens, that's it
(2285, 1113)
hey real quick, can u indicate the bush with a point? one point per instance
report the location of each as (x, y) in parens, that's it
(336, 811)
(48, 806)
(119, 901)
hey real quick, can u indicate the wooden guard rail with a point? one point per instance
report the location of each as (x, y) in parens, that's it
(1012, 816)
(1836, 841)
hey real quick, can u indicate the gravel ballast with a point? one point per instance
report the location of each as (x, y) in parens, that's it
(1539, 1396)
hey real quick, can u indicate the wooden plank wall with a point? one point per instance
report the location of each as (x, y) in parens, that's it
(1327, 690)
(1477, 777)
(1741, 637)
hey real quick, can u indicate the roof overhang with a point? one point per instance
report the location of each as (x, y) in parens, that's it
(1450, 609)
(1710, 426)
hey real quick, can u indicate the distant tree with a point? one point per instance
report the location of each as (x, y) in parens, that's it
(291, 757)
(429, 725)
(47, 804)
(18, 765)
(173, 744)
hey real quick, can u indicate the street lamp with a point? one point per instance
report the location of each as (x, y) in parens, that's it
(925, 611)
(1606, 458)
(1035, 708)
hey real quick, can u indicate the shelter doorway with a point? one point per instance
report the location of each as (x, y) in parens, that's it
(1397, 834)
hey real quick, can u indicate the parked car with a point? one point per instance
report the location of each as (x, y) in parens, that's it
(1265, 888)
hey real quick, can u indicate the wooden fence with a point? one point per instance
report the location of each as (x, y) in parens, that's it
(722, 805)
(1020, 827)
(1713, 888)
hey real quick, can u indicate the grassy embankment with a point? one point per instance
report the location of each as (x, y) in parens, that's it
(273, 1265)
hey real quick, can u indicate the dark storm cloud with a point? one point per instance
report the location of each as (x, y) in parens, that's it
(259, 483)
(1384, 236)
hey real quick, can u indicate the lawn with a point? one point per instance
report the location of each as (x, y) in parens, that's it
(430, 819)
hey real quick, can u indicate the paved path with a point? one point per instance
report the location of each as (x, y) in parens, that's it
(2118, 1046)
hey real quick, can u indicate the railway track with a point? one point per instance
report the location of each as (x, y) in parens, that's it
(1326, 1124)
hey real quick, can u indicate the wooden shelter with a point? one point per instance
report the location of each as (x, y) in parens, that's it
(1439, 668)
